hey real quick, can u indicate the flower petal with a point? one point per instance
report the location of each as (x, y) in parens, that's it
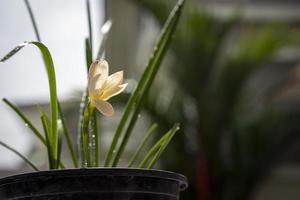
(94, 84)
(113, 80)
(98, 74)
(99, 67)
(113, 91)
(104, 107)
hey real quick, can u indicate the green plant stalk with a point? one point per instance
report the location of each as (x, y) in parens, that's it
(139, 91)
(89, 15)
(149, 133)
(49, 149)
(84, 99)
(85, 136)
(19, 154)
(60, 130)
(25, 120)
(68, 138)
(163, 146)
(105, 30)
(32, 18)
(153, 150)
(86, 113)
(47, 129)
(88, 53)
(89, 57)
(53, 164)
(95, 140)
(154, 63)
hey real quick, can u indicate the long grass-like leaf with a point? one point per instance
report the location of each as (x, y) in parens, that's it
(86, 137)
(47, 58)
(149, 133)
(144, 84)
(25, 120)
(28, 124)
(153, 150)
(89, 15)
(46, 126)
(163, 146)
(32, 18)
(67, 135)
(82, 107)
(88, 53)
(49, 148)
(19, 154)
(104, 33)
(95, 140)
(84, 115)
(83, 102)
(60, 130)
(14, 51)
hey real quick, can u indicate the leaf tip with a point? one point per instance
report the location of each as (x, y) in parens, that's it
(106, 26)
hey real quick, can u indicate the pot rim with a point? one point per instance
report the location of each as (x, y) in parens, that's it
(101, 171)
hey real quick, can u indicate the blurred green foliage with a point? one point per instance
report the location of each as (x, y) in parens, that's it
(227, 93)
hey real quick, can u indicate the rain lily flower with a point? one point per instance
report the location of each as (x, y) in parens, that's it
(102, 87)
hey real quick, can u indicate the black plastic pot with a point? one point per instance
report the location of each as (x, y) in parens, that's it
(94, 184)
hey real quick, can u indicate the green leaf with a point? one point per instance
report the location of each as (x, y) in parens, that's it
(53, 163)
(83, 104)
(32, 18)
(14, 51)
(164, 145)
(153, 150)
(149, 133)
(60, 130)
(88, 54)
(52, 88)
(26, 121)
(84, 101)
(89, 15)
(20, 155)
(67, 135)
(86, 156)
(95, 140)
(104, 33)
(46, 127)
(144, 85)
(84, 116)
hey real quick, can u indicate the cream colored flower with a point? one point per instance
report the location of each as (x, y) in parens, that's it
(102, 87)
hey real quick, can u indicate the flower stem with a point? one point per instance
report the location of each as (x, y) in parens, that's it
(85, 136)
(94, 142)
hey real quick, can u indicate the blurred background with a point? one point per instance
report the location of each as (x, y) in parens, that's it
(231, 78)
